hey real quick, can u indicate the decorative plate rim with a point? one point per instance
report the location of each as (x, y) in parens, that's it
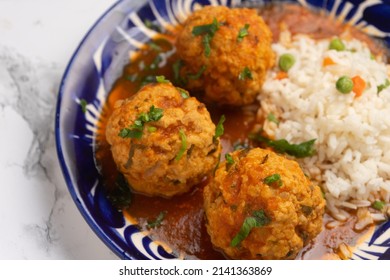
(65, 170)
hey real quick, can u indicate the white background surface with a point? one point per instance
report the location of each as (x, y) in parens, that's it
(38, 219)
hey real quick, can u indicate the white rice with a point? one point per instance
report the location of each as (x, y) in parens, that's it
(352, 163)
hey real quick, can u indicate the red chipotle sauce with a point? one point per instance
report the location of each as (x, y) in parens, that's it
(178, 223)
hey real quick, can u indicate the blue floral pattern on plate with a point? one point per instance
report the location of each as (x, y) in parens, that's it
(98, 62)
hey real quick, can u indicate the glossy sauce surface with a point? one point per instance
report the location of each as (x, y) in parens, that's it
(183, 227)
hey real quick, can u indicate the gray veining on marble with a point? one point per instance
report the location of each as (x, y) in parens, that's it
(38, 218)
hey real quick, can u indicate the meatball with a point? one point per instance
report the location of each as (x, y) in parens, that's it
(260, 205)
(162, 140)
(226, 53)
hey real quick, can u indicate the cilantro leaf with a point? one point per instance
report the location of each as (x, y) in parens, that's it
(271, 117)
(229, 159)
(258, 219)
(243, 33)
(383, 86)
(219, 129)
(157, 222)
(245, 74)
(152, 129)
(208, 32)
(301, 150)
(183, 93)
(206, 43)
(120, 196)
(155, 63)
(151, 25)
(155, 114)
(176, 67)
(197, 75)
(147, 80)
(161, 79)
(183, 147)
(130, 133)
(83, 104)
(154, 46)
(206, 29)
(136, 130)
(273, 180)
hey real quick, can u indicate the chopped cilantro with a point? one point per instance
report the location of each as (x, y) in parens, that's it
(157, 222)
(132, 78)
(130, 133)
(136, 130)
(229, 159)
(155, 113)
(147, 80)
(258, 219)
(154, 46)
(206, 43)
(301, 150)
(176, 67)
(219, 129)
(245, 74)
(271, 117)
(206, 29)
(141, 65)
(120, 195)
(161, 79)
(183, 147)
(151, 25)
(183, 93)
(383, 86)
(152, 129)
(243, 33)
(273, 180)
(153, 79)
(83, 104)
(197, 75)
(217, 165)
(155, 63)
(142, 118)
(208, 32)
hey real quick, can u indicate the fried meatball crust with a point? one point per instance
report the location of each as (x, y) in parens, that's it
(230, 56)
(175, 152)
(293, 205)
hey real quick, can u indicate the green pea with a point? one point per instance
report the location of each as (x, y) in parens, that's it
(378, 205)
(286, 61)
(344, 84)
(336, 44)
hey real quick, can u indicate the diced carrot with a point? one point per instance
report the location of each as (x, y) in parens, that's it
(328, 61)
(359, 85)
(281, 75)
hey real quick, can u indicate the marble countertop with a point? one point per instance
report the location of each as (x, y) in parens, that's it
(39, 220)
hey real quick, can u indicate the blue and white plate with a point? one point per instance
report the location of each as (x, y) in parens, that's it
(98, 62)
